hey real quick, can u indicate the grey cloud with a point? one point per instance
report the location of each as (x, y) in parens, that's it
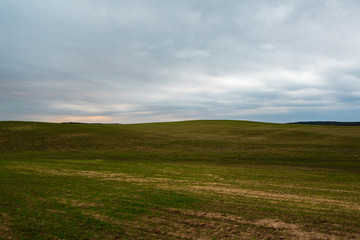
(161, 60)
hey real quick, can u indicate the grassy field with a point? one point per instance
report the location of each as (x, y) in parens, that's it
(181, 180)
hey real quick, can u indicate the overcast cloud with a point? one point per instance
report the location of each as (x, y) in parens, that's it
(163, 60)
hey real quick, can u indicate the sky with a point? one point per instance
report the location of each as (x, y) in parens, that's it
(133, 61)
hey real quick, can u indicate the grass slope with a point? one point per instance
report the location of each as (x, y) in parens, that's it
(180, 180)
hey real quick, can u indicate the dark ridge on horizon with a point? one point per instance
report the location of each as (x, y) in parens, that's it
(327, 123)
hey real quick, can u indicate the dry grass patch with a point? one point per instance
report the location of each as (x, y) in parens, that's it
(122, 177)
(5, 230)
(77, 203)
(224, 189)
(227, 225)
(101, 217)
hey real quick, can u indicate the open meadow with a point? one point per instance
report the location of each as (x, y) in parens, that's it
(179, 180)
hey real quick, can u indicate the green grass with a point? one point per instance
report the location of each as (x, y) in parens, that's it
(180, 180)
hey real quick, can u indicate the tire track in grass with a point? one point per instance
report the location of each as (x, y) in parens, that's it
(193, 186)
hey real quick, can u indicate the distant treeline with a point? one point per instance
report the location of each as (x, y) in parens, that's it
(328, 123)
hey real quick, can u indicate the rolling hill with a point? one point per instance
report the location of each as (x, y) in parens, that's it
(179, 180)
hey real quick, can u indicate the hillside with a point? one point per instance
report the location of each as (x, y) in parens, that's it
(219, 141)
(179, 180)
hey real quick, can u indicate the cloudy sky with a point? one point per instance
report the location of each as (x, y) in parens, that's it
(130, 61)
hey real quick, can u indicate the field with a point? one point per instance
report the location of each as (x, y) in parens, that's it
(180, 180)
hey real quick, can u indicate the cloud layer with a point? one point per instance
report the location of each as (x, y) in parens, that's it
(141, 61)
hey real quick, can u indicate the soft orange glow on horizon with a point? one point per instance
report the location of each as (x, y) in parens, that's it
(86, 119)
(82, 119)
